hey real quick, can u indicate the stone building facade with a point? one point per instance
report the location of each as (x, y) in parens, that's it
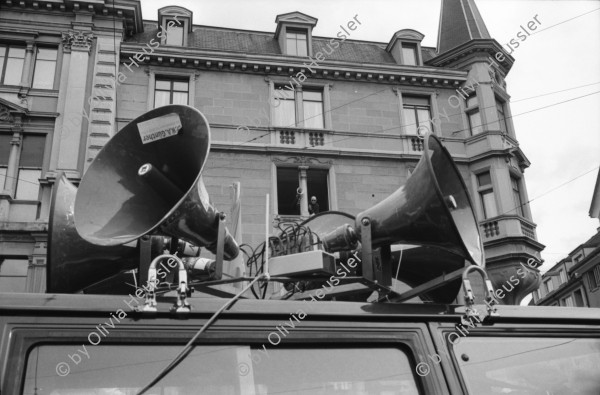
(340, 118)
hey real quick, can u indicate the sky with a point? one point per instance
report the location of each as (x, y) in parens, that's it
(562, 141)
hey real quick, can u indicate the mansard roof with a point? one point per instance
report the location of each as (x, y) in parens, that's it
(264, 43)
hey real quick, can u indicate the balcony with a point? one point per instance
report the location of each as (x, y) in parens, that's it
(300, 138)
(507, 226)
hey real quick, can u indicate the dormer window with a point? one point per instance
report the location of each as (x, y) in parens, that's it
(405, 47)
(296, 42)
(175, 25)
(294, 33)
(174, 33)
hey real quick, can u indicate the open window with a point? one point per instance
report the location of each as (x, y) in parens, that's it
(289, 179)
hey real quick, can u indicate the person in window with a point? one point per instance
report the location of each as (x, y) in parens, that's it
(313, 206)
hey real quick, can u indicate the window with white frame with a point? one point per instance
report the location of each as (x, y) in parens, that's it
(416, 114)
(486, 194)
(285, 109)
(296, 41)
(45, 68)
(288, 182)
(474, 116)
(12, 59)
(170, 91)
(13, 274)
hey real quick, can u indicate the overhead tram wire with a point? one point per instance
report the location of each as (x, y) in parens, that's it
(566, 20)
(549, 27)
(551, 93)
(467, 129)
(314, 116)
(551, 190)
(411, 124)
(372, 94)
(354, 101)
(514, 101)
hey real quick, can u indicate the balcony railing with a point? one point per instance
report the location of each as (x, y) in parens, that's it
(296, 137)
(507, 226)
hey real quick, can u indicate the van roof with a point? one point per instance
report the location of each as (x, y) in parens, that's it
(91, 305)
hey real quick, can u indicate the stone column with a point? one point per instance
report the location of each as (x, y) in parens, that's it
(12, 172)
(77, 47)
(25, 81)
(304, 186)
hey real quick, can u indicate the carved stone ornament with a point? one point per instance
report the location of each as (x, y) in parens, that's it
(5, 114)
(77, 40)
(492, 74)
(302, 161)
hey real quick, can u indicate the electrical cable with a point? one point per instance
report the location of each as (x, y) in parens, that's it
(398, 127)
(551, 190)
(566, 20)
(190, 344)
(488, 123)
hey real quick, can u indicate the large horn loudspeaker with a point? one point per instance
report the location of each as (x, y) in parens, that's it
(147, 178)
(74, 263)
(432, 209)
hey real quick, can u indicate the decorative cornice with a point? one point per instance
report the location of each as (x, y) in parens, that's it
(77, 40)
(128, 11)
(181, 59)
(303, 161)
(482, 46)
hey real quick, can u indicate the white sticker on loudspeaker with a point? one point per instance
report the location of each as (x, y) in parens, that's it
(159, 128)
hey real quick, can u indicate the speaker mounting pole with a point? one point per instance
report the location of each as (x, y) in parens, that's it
(367, 249)
(376, 263)
(220, 247)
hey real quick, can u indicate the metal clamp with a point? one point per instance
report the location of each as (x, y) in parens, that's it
(181, 305)
(490, 300)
